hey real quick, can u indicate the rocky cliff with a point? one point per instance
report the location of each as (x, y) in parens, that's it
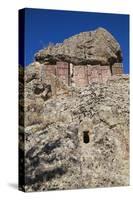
(77, 138)
(74, 137)
(93, 47)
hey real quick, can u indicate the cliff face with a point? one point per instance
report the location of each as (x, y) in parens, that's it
(94, 47)
(75, 137)
(78, 138)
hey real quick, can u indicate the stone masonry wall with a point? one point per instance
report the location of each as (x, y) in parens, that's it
(80, 75)
(62, 71)
(84, 75)
(117, 68)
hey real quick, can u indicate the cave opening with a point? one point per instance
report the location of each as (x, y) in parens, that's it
(86, 138)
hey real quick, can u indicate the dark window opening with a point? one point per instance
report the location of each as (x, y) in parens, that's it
(111, 70)
(86, 138)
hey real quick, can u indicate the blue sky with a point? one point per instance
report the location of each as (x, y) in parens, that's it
(44, 26)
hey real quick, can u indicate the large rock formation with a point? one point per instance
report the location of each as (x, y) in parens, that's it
(93, 47)
(74, 137)
(82, 59)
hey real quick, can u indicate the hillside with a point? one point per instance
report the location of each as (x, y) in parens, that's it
(77, 138)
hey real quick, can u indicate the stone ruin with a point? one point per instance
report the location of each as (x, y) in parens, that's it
(74, 137)
(82, 59)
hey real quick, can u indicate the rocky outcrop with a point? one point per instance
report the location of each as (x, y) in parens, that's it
(76, 138)
(93, 47)
(74, 115)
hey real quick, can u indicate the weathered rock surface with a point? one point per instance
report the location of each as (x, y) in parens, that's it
(58, 152)
(93, 47)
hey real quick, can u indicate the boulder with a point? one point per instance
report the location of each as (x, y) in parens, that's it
(92, 47)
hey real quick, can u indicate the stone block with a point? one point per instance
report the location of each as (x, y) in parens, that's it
(80, 75)
(117, 68)
(62, 71)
